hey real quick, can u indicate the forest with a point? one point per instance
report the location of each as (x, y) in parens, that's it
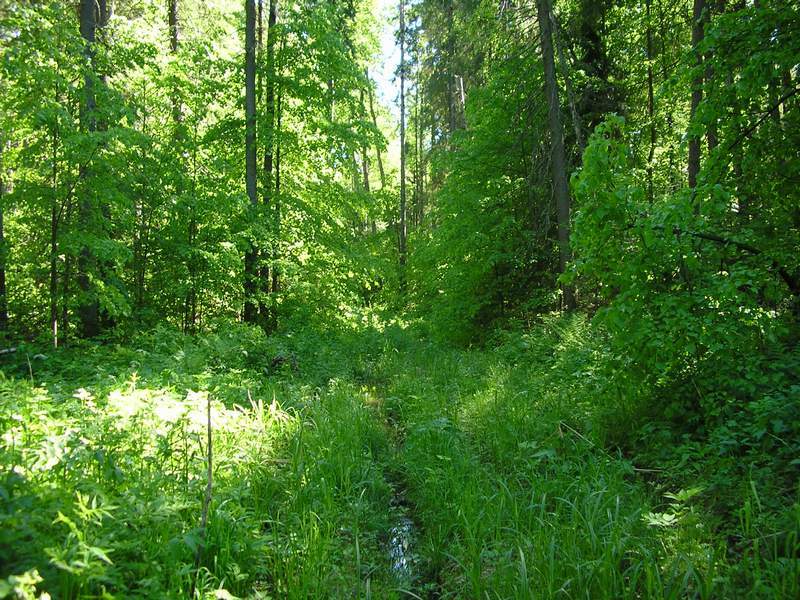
(433, 299)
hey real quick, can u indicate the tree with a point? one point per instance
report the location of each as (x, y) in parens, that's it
(698, 32)
(3, 249)
(402, 231)
(558, 166)
(268, 314)
(251, 254)
(89, 309)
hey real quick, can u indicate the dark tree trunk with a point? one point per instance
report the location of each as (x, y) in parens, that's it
(573, 108)
(267, 312)
(712, 134)
(54, 223)
(276, 273)
(558, 160)
(698, 31)
(452, 110)
(190, 302)
(251, 255)
(174, 44)
(650, 105)
(88, 307)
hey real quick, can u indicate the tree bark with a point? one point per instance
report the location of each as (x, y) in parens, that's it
(418, 174)
(557, 160)
(54, 223)
(267, 313)
(698, 32)
(174, 44)
(364, 148)
(3, 250)
(190, 302)
(251, 255)
(375, 124)
(402, 232)
(88, 309)
(573, 108)
(452, 111)
(276, 273)
(650, 104)
(712, 134)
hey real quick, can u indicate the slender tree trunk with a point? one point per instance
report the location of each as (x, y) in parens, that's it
(174, 42)
(54, 218)
(417, 159)
(573, 108)
(267, 313)
(3, 249)
(66, 280)
(364, 147)
(712, 134)
(451, 87)
(264, 253)
(558, 160)
(650, 105)
(88, 309)
(190, 302)
(402, 233)
(251, 255)
(462, 103)
(276, 273)
(698, 31)
(375, 124)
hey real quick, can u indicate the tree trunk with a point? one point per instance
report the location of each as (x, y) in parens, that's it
(65, 292)
(402, 233)
(3, 250)
(451, 83)
(276, 273)
(267, 313)
(417, 159)
(251, 255)
(88, 309)
(573, 108)
(698, 31)
(364, 147)
(558, 160)
(54, 222)
(174, 44)
(190, 301)
(650, 105)
(712, 134)
(375, 124)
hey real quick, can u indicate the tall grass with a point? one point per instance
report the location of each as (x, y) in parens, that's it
(498, 457)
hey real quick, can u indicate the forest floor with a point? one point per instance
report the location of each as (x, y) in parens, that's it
(366, 463)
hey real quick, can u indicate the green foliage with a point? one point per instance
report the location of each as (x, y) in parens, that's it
(154, 195)
(324, 441)
(103, 482)
(646, 447)
(487, 254)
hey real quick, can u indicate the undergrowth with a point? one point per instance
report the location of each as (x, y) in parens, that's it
(531, 468)
(103, 462)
